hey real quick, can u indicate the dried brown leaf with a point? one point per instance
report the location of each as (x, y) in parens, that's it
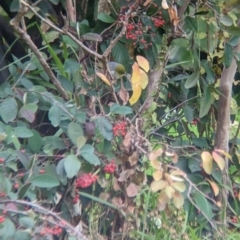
(124, 95)
(117, 201)
(124, 175)
(127, 140)
(133, 159)
(132, 190)
(115, 184)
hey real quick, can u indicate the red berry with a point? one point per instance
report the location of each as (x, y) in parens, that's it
(16, 185)
(42, 171)
(1, 160)
(2, 218)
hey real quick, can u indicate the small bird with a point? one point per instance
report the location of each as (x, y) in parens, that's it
(117, 70)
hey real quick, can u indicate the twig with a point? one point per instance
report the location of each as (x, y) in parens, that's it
(71, 10)
(76, 232)
(15, 23)
(62, 31)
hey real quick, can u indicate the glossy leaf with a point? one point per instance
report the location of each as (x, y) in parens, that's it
(207, 162)
(8, 109)
(192, 80)
(44, 181)
(71, 165)
(219, 160)
(143, 63)
(103, 78)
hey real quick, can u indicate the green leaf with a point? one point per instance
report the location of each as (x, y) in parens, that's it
(105, 18)
(210, 74)
(23, 190)
(74, 132)
(26, 222)
(71, 165)
(200, 142)
(192, 80)
(28, 111)
(228, 55)
(15, 142)
(54, 115)
(44, 181)
(22, 234)
(23, 159)
(35, 142)
(117, 109)
(81, 141)
(8, 230)
(8, 109)
(226, 20)
(203, 205)
(191, 23)
(188, 113)
(87, 152)
(104, 126)
(120, 54)
(22, 132)
(205, 103)
(15, 5)
(234, 30)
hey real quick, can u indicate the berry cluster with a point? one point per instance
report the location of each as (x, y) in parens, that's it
(2, 218)
(56, 230)
(85, 180)
(137, 28)
(76, 198)
(120, 129)
(110, 168)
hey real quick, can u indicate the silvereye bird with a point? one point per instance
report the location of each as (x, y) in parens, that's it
(117, 70)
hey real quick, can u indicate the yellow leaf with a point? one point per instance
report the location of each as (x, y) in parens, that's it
(207, 162)
(224, 153)
(157, 175)
(143, 79)
(155, 154)
(103, 78)
(158, 185)
(137, 90)
(163, 198)
(156, 164)
(164, 4)
(219, 160)
(143, 63)
(169, 191)
(178, 200)
(215, 187)
(135, 79)
(179, 186)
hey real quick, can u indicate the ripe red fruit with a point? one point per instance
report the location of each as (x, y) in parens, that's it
(85, 180)
(2, 218)
(1, 160)
(16, 185)
(120, 129)
(42, 171)
(110, 167)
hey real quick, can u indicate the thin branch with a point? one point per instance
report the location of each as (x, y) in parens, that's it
(15, 23)
(62, 31)
(72, 230)
(71, 10)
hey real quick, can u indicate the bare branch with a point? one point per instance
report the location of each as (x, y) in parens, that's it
(23, 34)
(62, 31)
(71, 229)
(71, 10)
